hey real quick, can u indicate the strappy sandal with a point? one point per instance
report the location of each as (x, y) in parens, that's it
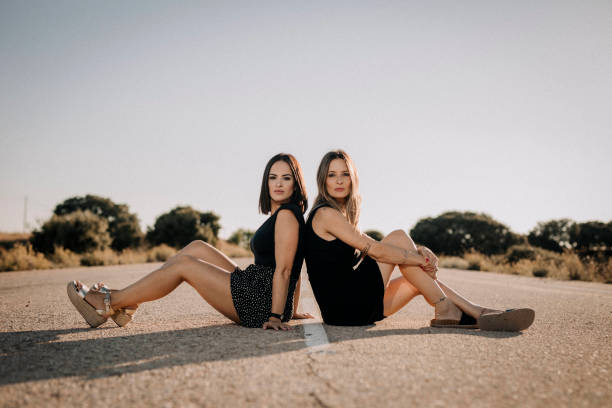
(121, 316)
(94, 317)
(508, 320)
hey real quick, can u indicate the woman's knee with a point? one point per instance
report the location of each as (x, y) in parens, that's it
(197, 244)
(399, 237)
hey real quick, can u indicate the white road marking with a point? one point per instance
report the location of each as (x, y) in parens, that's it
(314, 333)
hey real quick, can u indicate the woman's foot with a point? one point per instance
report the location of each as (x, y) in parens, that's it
(95, 297)
(445, 309)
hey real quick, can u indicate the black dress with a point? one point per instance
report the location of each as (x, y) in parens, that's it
(252, 288)
(345, 296)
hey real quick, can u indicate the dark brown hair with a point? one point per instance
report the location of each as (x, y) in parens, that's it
(299, 196)
(350, 209)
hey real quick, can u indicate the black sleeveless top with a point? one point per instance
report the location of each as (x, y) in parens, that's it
(345, 296)
(262, 243)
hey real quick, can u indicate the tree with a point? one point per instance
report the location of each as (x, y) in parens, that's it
(123, 226)
(553, 235)
(78, 231)
(242, 237)
(182, 225)
(375, 234)
(592, 238)
(454, 233)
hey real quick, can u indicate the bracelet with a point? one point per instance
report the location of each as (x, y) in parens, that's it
(279, 317)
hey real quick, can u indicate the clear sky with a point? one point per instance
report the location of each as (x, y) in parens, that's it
(488, 106)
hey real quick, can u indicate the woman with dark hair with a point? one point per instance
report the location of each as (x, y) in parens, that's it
(350, 272)
(262, 295)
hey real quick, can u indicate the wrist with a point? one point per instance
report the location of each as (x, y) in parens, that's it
(275, 316)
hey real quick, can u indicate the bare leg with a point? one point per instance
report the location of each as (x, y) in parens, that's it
(462, 303)
(211, 282)
(398, 293)
(208, 253)
(432, 290)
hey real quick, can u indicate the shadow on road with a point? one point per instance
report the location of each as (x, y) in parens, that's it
(41, 355)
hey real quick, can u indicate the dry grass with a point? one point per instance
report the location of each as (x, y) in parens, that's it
(233, 251)
(566, 266)
(23, 257)
(14, 236)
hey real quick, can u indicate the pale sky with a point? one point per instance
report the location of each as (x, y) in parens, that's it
(487, 106)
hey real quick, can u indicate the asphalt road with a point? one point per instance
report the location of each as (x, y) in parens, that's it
(181, 352)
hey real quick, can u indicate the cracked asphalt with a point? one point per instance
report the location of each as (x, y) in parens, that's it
(181, 352)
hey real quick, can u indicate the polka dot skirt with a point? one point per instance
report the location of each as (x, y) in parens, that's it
(252, 294)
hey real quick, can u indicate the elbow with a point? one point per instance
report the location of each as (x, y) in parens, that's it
(376, 251)
(283, 272)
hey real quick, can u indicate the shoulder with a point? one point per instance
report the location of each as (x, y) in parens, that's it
(291, 208)
(328, 214)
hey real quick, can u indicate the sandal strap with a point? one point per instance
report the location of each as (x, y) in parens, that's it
(108, 310)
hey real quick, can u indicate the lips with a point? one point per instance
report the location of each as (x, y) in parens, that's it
(339, 189)
(279, 191)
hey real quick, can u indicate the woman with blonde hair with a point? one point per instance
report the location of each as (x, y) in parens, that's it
(262, 295)
(350, 272)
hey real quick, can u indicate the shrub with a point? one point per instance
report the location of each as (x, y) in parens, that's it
(65, 258)
(455, 233)
(375, 234)
(453, 262)
(131, 256)
(540, 272)
(517, 252)
(552, 235)
(100, 257)
(242, 238)
(160, 253)
(79, 231)
(182, 225)
(22, 257)
(123, 226)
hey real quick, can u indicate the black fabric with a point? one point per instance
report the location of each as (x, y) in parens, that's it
(252, 288)
(345, 296)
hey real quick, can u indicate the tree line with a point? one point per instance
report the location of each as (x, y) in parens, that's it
(88, 223)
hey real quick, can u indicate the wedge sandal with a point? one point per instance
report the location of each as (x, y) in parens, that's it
(92, 316)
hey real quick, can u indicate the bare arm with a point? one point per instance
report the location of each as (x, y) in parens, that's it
(286, 235)
(331, 221)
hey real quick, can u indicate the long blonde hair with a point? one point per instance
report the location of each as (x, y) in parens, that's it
(352, 205)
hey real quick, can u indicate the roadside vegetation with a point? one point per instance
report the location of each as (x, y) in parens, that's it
(93, 230)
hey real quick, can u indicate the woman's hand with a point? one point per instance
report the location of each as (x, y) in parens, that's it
(297, 316)
(431, 265)
(276, 324)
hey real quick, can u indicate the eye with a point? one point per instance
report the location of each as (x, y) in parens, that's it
(346, 174)
(331, 175)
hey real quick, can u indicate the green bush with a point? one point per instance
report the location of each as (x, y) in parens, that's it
(375, 234)
(123, 226)
(552, 235)
(79, 231)
(182, 225)
(242, 238)
(455, 233)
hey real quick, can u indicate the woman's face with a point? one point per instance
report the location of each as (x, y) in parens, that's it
(338, 182)
(280, 182)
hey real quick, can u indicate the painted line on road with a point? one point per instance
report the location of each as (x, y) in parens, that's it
(314, 333)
